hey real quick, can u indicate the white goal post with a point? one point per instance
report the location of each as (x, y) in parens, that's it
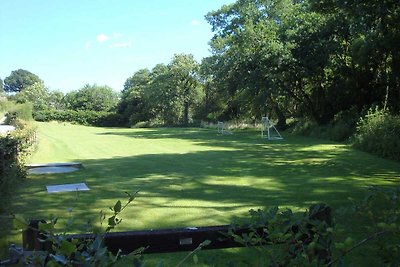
(222, 129)
(268, 130)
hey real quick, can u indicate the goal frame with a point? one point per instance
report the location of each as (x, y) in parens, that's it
(268, 130)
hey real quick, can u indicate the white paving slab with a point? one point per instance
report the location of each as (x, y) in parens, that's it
(5, 129)
(55, 164)
(49, 170)
(67, 188)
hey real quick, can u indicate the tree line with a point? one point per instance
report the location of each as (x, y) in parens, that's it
(310, 59)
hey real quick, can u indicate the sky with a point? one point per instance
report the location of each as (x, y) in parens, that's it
(70, 43)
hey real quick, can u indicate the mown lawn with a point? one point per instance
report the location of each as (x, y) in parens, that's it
(194, 177)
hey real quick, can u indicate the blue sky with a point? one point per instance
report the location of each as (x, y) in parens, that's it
(71, 43)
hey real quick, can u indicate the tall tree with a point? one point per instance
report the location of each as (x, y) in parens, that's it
(133, 105)
(92, 97)
(20, 79)
(162, 97)
(184, 73)
(277, 56)
(373, 48)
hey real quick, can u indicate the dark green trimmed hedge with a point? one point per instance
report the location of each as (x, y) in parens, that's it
(84, 117)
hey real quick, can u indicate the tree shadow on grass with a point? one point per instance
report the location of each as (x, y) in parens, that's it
(234, 174)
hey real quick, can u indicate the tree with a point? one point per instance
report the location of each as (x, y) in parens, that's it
(19, 80)
(161, 96)
(133, 105)
(174, 89)
(279, 57)
(1, 86)
(184, 72)
(92, 97)
(37, 94)
(56, 100)
(373, 42)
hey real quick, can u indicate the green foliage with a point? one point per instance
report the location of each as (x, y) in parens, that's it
(37, 94)
(19, 80)
(300, 240)
(169, 93)
(19, 111)
(341, 128)
(84, 117)
(93, 98)
(1, 86)
(311, 239)
(378, 132)
(133, 105)
(15, 147)
(5, 105)
(74, 252)
(380, 210)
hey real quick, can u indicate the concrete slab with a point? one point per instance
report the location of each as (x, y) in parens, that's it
(67, 188)
(55, 164)
(50, 170)
(5, 129)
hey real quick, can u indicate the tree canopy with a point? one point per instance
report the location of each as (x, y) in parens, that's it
(19, 80)
(167, 93)
(313, 59)
(92, 97)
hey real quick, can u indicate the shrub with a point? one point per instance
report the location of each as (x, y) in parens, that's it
(19, 111)
(84, 117)
(14, 149)
(314, 239)
(341, 128)
(378, 133)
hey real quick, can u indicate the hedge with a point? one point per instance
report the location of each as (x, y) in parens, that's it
(84, 117)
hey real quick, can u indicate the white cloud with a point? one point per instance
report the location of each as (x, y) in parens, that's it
(101, 38)
(119, 45)
(195, 22)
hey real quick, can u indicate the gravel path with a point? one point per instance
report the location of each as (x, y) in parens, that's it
(4, 129)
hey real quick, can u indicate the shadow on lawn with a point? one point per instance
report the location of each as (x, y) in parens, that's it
(213, 186)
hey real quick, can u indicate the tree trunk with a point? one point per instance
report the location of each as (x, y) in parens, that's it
(186, 114)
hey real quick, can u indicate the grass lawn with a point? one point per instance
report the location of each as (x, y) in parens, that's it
(194, 177)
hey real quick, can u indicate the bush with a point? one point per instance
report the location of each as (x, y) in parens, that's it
(19, 111)
(14, 149)
(340, 129)
(84, 117)
(378, 133)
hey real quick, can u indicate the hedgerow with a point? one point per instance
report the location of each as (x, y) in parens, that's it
(84, 117)
(378, 133)
(15, 147)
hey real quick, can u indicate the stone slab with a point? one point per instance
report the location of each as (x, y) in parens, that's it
(67, 188)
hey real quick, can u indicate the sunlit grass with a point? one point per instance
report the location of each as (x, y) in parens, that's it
(193, 177)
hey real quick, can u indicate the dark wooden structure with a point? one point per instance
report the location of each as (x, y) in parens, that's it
(178, 239)
(155, 241)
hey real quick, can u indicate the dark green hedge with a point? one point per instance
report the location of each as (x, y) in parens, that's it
(378, 133)
(14, 149)
(84, 117)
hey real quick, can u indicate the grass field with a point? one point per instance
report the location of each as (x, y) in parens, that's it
(194, 177)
